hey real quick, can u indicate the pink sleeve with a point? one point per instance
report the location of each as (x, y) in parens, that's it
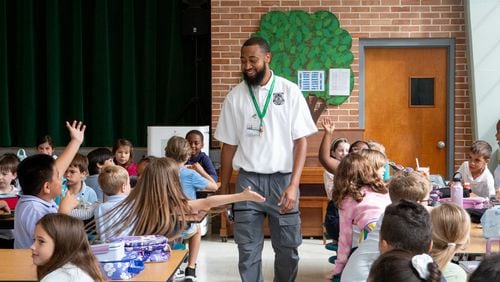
(345, 235)
(132, 169)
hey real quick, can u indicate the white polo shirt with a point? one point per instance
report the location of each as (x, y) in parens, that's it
(287, 119)
(483, 185)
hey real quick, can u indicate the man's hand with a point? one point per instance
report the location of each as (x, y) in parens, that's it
(288, 199)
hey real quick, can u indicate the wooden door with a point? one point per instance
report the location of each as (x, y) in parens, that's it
(409, 129)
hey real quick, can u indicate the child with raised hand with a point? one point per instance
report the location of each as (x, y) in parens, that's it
(328, 155)
(361, 196)
(61, 252)
(8, 174)
(45, 145)
(124, 155)
(199, 160)
(450, 234)
(401, 265)
(40, 179)
(404, 185)
(475, 172)
(98, 159)
(331, 152)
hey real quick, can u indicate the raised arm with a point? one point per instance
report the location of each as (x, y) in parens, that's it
(76, 132)
(220, 200)
(329, 163)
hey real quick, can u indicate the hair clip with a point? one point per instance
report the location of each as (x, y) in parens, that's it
(420, 262)
(451, 244)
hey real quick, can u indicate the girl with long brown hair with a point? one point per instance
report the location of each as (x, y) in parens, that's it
(361, 195)
(62, 252)
(157, 205)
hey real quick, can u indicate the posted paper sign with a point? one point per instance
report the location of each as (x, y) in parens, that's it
(311, 80)
(339, 82)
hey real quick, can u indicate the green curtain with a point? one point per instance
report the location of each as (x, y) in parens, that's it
(118, 65)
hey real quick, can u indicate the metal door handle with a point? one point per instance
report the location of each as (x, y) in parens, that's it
(441, 144)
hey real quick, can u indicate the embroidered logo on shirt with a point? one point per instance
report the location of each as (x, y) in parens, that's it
(278, 98)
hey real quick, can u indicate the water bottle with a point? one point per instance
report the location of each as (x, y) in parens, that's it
(456, 190)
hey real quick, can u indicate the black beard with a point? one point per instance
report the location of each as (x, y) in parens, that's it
(257, 79)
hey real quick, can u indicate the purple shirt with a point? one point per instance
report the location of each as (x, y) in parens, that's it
(29, 210)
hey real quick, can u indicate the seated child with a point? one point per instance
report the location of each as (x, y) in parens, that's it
(61, 251)
(450, 234)
(401, 265)
(474, 170)
(40, 180)
(406, 225)
(75, 174)
(361, 196)
(374, 145)
(487, 270)
(115, 183)
(358, 146)
(179, 149)
(195, 139)
(141, 165)
(8, 174)
(124, 156)
(330, 154)
(98, 159)
(406, 228)
(158, 206)
(45, 145)
(411, 186)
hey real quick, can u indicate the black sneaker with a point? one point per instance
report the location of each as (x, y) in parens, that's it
(190, 274)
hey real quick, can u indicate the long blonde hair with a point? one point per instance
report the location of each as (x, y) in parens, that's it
(450, 232)
(70, 246)
(156, 205)
(354, 172)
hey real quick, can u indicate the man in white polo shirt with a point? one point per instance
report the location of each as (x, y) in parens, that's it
(263, 127)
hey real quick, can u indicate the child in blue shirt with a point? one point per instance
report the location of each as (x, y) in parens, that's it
(98, 159)
(75, 174)
(40, 180)
(115, 183)
(179, 149)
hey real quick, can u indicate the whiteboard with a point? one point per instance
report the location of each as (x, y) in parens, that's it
(158, 137)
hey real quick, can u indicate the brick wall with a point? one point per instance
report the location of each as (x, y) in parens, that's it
(233, 21)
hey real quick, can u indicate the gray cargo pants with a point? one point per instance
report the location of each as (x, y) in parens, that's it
(285, 228)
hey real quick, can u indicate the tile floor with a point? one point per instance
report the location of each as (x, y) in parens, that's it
(218, 261)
